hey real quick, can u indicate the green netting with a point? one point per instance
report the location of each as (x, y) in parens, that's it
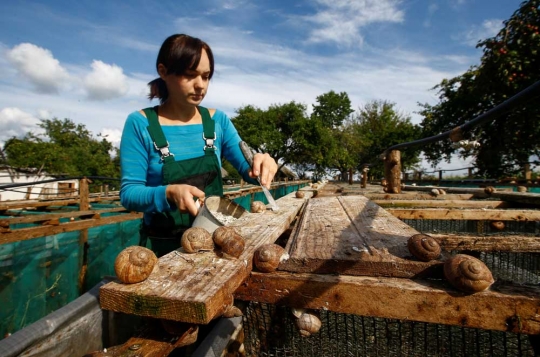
(269, 330)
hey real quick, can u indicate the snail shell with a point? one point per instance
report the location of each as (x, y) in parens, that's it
(424, 247)
(196, 239)
(489, 190)
(498, 225)
(442, 192)
(134, 264)
(221, 233)
(521, 189)
(434, 192)
(308, 324)
(300, 194)
(467, 273)
(233, 245)
(267, 257)
(258, 207)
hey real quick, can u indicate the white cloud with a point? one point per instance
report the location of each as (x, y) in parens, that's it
(340, 21)
(38, 66)
(16, 123)
(489, 28)
(105, 81)
(112, 135)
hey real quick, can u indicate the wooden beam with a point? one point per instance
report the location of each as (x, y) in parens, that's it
(352, 235)
(520, 197)
(443, 203)
(195, 288)
(492, 243)
(512, 308)
(6, 222)
(42, 231)
(416, 196)
(468, 214)
(11, 205)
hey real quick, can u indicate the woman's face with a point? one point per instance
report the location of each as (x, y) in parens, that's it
(191, 87)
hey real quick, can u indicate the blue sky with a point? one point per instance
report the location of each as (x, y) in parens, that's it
(90, 61)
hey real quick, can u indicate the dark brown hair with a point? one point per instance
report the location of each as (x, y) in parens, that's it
(179, 53)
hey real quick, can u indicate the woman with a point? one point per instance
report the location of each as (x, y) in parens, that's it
(170, 154)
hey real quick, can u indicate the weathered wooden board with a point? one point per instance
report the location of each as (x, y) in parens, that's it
(195, 288)
(352, 235)
(7, 205)
(468, 214)
(36, 232)
(6, 222)
(521, 197)
(491, 243)
(442, 203)
(513, 308)
(416, 196)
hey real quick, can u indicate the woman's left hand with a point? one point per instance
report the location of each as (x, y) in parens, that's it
(265, 167)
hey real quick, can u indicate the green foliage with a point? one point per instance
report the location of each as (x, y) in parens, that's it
(65, 148)
(378, 126)
(509, 64)
(332, 109)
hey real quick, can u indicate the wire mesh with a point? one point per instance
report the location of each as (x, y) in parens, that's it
(270, 331)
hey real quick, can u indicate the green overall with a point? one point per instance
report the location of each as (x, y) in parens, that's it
(204, 172)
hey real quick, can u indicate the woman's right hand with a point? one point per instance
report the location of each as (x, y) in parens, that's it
(182, 197)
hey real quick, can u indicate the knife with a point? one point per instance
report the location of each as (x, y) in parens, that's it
(248, 154)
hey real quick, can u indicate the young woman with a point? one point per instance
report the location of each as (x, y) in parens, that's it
(170, 154)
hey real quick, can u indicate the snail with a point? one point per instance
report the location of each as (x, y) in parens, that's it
(434, 192)
(196, 239)
(442, 192)
(258, 207)
(521, 189)
(489, 190)
(267, 257)
(300, 194)
(233, 245)
(134, 264)
(498, 225)
(308, 324)
(424, 247)
(221, 233)
(467, 273)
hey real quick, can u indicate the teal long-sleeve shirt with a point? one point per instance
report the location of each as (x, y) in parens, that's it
(141, 187)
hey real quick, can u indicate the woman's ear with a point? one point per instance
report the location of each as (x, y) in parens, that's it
(162, 70)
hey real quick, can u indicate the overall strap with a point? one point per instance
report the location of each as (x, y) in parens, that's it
(156, 133)
(209, 131)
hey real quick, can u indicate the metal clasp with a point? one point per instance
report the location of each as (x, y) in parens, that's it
(209, 142)
(163, 151)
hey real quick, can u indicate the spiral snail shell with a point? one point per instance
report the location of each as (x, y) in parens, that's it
(267, 257)
(308, 324)
(424, 247)
(498, 225)
(134, 264)
(300, 194)
(522, 189)
(467, 273)
(196, 239)
(233, 245)
(222, 233)
(489, 190)
(258, 207)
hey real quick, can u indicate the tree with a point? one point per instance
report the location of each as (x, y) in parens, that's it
(65, 148)
(509, 64)
(378, 126)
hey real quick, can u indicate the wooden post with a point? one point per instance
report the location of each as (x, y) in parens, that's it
(419, 175)
(28, 192)
(528, 173)
(405, 176)
(365, 170)
(83, 235)
(392, 171)
(350, 177)
(106, 190)
(440, 175)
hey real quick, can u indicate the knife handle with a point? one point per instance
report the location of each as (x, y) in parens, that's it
(247, 152)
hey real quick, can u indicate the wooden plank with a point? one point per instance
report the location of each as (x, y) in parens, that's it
(492, 243)
(36, 232)
(6, 222)
(468, 214)
(520, 197)
(404, 195)
(352, 235)
(7, 205)
(442, 203)
(195, 288)
(512, 308)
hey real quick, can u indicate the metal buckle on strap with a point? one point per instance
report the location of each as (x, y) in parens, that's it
(209, 142)
(163, 151)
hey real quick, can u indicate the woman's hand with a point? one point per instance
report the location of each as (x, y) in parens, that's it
(265, 167)
(182, 197)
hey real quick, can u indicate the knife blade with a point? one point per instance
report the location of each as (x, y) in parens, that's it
(248, 154)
